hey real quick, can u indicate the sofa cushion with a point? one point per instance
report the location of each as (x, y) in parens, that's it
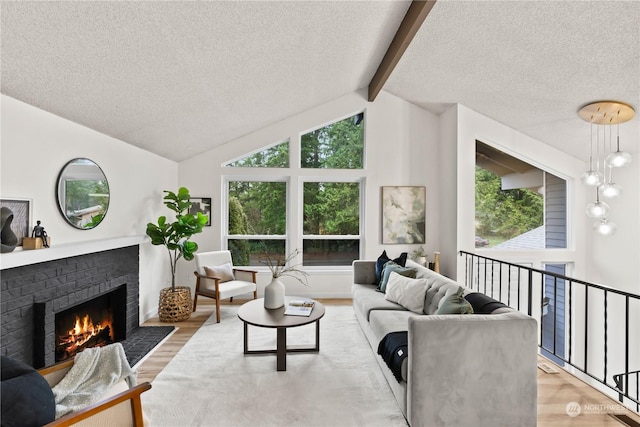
(406, 291)
(391, 267)
(366, 299)
(483, 304)
(383, 259)
(455, 304)
(27, 399)
(384, 321)
(223, 272)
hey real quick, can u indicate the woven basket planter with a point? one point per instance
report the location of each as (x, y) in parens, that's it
(175, 306)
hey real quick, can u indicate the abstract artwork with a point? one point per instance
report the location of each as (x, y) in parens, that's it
(21, 216)
(403, 215)
(203, 205)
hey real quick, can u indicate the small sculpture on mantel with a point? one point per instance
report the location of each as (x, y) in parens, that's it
(38, 231)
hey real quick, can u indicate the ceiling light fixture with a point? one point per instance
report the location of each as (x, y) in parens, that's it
(601, 114)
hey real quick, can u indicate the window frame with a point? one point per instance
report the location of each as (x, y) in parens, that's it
(294, 176)
(360, 180)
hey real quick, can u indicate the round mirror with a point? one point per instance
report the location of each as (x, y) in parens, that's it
(83, 193)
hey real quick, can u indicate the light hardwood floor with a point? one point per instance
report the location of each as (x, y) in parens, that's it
(555, 391)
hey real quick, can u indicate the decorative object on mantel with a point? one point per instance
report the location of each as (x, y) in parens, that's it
(604, 115)
(38, 240)
(280, 266)
(175, 302)
(17, 225)
(8, 239)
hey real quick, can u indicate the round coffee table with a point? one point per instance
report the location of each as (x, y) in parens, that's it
(253, 313)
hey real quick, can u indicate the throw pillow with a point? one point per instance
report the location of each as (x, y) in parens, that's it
(27, 399)
(406, 291)
(390, 267)
(483, 304)
(455, 304)
(223, 272)
(383, 259)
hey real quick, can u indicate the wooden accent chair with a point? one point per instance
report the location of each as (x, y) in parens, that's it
(241, 282)
(121, 406)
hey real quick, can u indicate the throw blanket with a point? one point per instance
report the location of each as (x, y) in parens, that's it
(393, 349)
(94, 371)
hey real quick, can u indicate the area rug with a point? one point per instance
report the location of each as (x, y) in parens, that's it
(210, 382)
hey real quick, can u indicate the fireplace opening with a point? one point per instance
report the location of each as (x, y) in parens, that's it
(94, 323)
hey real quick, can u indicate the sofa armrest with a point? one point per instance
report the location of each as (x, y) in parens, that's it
(465, 368)
(364, 272)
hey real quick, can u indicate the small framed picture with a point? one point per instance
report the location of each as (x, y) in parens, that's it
(202, 205)
(21, 211)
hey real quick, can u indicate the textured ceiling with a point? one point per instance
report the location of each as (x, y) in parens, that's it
(178, 78)
(528, 64)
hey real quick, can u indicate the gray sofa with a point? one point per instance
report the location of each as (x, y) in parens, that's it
(461, 369)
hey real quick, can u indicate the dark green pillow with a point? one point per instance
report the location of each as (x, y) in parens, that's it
(455, 304)
(391, 266)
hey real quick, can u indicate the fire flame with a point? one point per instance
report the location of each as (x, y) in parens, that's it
(83, 330)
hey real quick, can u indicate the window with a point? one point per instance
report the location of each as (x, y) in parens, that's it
(518, 206)
(272, 157)
(257, 220)
(339, 145)
(331, 225)
(286, 205)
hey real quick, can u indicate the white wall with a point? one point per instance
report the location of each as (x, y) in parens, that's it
(401, 148)
(35, 145)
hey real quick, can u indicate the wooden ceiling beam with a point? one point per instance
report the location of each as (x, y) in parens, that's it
(415, 16)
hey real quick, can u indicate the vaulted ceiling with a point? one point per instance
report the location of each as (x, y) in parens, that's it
(179, 78)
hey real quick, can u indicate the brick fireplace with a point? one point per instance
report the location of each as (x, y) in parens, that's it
(33, 294)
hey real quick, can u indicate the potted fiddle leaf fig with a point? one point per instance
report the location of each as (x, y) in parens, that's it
(175, 302)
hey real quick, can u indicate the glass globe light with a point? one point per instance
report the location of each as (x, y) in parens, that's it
(592, 178)
(610, 190)
(618, 159)
(597, 209)
(605, 227)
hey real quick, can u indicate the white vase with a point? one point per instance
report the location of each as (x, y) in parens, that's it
(274, 294)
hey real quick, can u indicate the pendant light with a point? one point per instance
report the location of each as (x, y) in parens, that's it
(602, 114)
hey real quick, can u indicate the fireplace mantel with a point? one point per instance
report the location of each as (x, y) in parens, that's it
(19, 258)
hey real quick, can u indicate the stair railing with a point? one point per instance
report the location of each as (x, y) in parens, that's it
(595, 329)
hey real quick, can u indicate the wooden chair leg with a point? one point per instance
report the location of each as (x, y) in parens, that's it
(217, 310)
(255, 294)
(231, 300)
(195, 302)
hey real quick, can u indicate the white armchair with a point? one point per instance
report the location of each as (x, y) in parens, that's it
(222, 280)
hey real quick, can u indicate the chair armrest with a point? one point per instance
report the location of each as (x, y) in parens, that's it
(103, 408)
(244, 271)
(54, 373)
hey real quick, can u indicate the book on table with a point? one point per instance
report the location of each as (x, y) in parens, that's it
(299, 307)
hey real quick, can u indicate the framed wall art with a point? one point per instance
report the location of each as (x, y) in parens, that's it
(21, 209)
(403, 215)
(203, 205)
